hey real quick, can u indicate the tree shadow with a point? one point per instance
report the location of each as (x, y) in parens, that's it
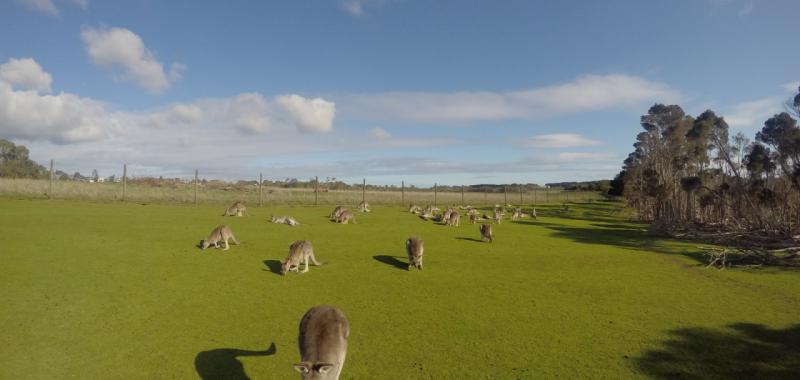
(274, 266)
(391, 260)
(222, 363)
(741, 351)
(470, 239)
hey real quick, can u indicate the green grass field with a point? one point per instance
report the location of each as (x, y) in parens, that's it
(119, 291)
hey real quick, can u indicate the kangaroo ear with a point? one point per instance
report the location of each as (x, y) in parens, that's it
(323, 368)
(303, 368)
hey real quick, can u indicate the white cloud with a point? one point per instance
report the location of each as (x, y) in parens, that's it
(559, 140)
(123, 50)
(791, 86)
(379, 134)
(586, 93)
(309, 115)
(49, 7)
(25, 74)
(356, 7)
(753, 113)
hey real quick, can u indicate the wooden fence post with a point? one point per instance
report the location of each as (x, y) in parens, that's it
(402, 193)
(316, 189)
(364, 190)
(534, 195)
(505, 196)
(260, 189)
(124, 181)
(52, 176)
(462, 195)
(195, 187)
(434, 194)
(520, 195)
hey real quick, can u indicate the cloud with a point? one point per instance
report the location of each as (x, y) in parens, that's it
(791, 87)
(25, 74)
(379, 134)
(559, 140)
(124, 51)
(586, 93)
(309, 115)
(49, 7)
(356, 7)
(753, 113)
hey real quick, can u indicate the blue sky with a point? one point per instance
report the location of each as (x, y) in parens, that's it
(448, 91)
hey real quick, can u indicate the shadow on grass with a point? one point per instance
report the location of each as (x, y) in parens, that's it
(222, 363)
(741, 351)
(629, 237)
(391, 260)
(470, 239)
(274, 266)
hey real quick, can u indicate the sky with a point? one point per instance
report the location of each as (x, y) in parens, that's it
(454, 92)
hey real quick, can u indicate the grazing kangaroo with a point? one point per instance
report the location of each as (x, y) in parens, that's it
(220, 233)
(486, 233)
(336, 212)
(345, 217)
(363, 207)
(454, 219)
(300, 251)
(284, 220)
(323, 343)
(414, 250)
(414, 209)
(236, 209)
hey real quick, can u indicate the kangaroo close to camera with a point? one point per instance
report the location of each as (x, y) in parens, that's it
(221, 233)
(414, 250)
(486, 232)
(324, 331)
(236, 209)
(300, 251)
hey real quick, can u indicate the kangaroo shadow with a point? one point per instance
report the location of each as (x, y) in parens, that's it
(740, 351)
(222, 363)
(470, 239)
(274, 266)
(391, 260)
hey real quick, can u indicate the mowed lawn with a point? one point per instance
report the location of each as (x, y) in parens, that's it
(119, 291)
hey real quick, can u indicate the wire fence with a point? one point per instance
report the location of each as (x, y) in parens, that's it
(196, 190)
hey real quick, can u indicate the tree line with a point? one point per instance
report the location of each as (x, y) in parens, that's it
(687, 173)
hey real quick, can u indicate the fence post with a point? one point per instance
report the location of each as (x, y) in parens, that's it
(462, 195)
(505, 196)
(520, 195)
(364, 190)
(195, 187)
(566, 193)
(534, 195)
(546, 195)
(124, 181)
(52, 176)
(260, 189)
(434, 193)
(316, 189)
(402, 193)
(485, 196)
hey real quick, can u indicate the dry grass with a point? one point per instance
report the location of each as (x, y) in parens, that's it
(184, 193)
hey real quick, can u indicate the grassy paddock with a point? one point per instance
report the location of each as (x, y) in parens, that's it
(119, 291)
(184, 193)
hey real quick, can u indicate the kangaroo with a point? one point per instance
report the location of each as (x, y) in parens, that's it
(323, 343)
(446, 215)
(533, 213)
(454, 219)
(498, 217)
(336, 212)
(363, 207)
(220, 233)
(414, 250)
(236, 209)
(414, 209)
(345, 217)
(300, 251)
(517, 214)
(486, 232)
(284, 220)
(473, 218)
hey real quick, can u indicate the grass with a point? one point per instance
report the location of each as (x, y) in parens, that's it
(119, 291)
(184, 193)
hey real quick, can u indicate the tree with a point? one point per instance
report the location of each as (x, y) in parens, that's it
(15, 163)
